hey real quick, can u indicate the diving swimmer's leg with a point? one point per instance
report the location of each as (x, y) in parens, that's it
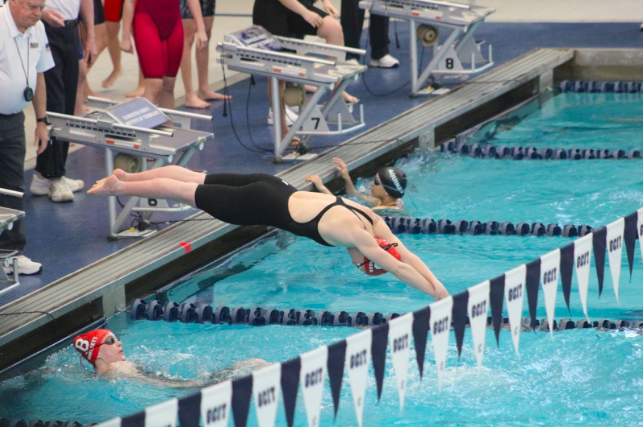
(174, 172)
(159, 188)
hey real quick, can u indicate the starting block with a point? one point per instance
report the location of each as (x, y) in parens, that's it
(256, 51)
(460, 54)
(8, 257)
(130, 133)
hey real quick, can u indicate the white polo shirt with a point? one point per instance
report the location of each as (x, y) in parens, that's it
(33, 46)
(69, 9)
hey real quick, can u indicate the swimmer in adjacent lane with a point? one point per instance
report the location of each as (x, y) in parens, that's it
(387, 187)
(105, 352)
(263, 199)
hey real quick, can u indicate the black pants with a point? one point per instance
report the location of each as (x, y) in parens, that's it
(61, 81)
(12, 166)
(352, 20)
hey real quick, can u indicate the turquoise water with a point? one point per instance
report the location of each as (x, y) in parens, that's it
(580, 378)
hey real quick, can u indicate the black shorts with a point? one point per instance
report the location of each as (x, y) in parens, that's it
(99, 13)
(281, 21)
(207, 9)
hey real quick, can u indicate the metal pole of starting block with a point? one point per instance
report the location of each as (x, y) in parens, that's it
(111, 201)
(11, 193)
(276, 114)
(414, 57)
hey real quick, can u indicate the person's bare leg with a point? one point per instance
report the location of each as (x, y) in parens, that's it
(202, 63)
(140, 90)
(159, 188)
(191, 98)
(166, 99)
(114, 48)
(79, 108)
(153, 89)
(100, 31)
(173, 172)
(331, 31)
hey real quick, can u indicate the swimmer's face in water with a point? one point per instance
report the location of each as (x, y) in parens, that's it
(111, 350)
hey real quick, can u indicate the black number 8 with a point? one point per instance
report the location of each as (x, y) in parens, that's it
(449, 63)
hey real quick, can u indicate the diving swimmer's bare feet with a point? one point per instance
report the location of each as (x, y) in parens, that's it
(210, 95)
(193, 101)
(120, 174)
(138, 92)
(107, 186)
(111, 79)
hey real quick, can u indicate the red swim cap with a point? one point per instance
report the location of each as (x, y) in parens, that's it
(369, 268)
(88, 344)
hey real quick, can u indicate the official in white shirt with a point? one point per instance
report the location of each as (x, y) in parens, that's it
(24, 57)
(61, 24)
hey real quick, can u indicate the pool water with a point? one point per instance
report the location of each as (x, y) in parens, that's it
(578, 378)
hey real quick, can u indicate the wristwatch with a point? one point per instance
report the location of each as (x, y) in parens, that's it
(44, 120)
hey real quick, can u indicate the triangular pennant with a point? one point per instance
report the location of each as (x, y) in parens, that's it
(478, 305)
(265, 390)
(440, 328)
(630, 239)
(420, 335)
(532, 282)
(615, 232)
(135, 420)
(566, 270)
(399, 335)
(459, 315)
(216, 402)
(639, 228)
(162, 414)
(582, 260)
(335, 367)
(378, 355)
(118, 422)
(241, 394)
(290, 386)
(190, 410)
(358, 355)
(311, 378)
(497, 297)
(549, 274)
(599, 241)
(514, 295)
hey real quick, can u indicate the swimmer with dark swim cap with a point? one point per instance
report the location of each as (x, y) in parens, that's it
(263, 199)
(387, 187)
(102, 349)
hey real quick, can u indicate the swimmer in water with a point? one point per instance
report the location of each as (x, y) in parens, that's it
(387, 187)
(105, 352)
(263, 199)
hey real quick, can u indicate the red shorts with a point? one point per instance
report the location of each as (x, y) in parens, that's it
(158, 57)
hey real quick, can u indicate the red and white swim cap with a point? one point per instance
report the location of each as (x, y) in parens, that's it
(88, 344)
(370, 268)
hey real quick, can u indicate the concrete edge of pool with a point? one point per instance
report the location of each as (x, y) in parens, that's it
(105, 287)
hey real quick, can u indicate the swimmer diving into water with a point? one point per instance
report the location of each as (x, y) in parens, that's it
(263, 199)
(105, 352)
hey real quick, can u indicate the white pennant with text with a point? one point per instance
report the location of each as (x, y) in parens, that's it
(639, 229)
(311, 379)
(440, 328)
(477, 309)
(615, 233)
(216, 404)
(582, 259)
(399, 334)
(549, 273)
(514, 295)
(163, 414)
(265, 390)
(358, 358)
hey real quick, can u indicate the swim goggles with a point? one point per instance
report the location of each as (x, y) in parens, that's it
(377, 181)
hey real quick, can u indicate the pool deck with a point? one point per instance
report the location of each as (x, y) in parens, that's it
(102, 287)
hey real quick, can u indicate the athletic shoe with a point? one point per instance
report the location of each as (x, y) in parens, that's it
(26, 266)
(387, 61)
(59, 192)
(352, 61)
(291, 116)
(74, 185)
(641, 27)
(39, 186)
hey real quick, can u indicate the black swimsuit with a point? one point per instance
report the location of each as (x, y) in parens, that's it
(258, 199)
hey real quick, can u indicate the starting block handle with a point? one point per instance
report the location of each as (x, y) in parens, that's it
(292, 57)
(115, 125)
(98, 102)
(186, 114)
(326, 46)
(11, 193)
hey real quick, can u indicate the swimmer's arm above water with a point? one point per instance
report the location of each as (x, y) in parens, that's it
(349, 186)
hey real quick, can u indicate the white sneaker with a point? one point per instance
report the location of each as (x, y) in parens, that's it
(59, 192)
(26, 266)
(641, 27)
(291, 116)
(40, 186)
(387, 61)
(74, 185)
(352, 61)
